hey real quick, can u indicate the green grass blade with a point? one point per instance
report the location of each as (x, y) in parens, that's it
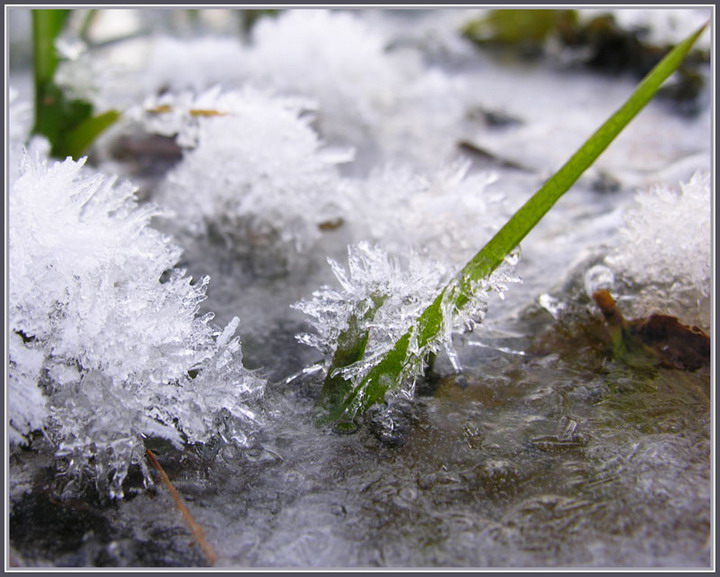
(523, 221)
(68, 124)
(83, 135)
(403, 360)
(46, 27)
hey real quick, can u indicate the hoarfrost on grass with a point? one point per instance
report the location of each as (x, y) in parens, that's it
(182, 114)
(373, 281)
(104, 331)
(384, 299)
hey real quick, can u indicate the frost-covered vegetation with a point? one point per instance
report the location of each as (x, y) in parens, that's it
(380, 299)
(107, 347)
(305, 178)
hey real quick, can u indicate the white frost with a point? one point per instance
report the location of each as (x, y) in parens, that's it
(102, 325)
(257, 175)
(448, 213)
(369, 95)
(385, 299)
(666, 244)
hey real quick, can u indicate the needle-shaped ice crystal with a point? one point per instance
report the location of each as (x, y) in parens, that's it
(107, 346)
(257, 175)
(379, 304)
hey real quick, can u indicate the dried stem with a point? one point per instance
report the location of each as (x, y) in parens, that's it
(196, 529)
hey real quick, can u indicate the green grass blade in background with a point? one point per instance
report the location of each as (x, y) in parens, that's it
(403, 361)
(47, 25)
(68, 124)
(84, 134)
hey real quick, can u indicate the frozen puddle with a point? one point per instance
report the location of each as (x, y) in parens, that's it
(539, 461)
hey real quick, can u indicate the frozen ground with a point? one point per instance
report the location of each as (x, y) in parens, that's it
(544, 453)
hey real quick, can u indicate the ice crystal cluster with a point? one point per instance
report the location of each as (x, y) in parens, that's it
(385, 296)
(368, 95)
(264, 124)
(666, 247)
(106, 347)
(252, 168)
(446, 213)
(380, 296)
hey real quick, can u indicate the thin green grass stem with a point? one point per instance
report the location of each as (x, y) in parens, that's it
(404, 358)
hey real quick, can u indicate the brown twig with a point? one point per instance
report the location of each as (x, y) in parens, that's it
(196, 529)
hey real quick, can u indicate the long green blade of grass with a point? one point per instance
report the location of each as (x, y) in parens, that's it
(401, 361)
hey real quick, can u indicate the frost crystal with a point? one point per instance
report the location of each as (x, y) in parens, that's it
(372, 280)
(103, 327)
(350, 73)
(667, 242)
(448, 213)
(181, 115)
(257, 177)
(384, 299)
(368, 96)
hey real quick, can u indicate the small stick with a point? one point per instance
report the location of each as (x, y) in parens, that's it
(196, 529)
(165, 108)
